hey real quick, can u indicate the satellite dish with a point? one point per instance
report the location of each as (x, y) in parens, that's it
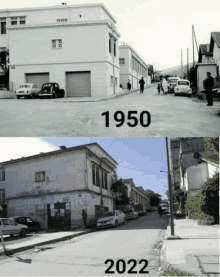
(196, 155)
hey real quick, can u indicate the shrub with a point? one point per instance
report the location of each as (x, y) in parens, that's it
(205, 205)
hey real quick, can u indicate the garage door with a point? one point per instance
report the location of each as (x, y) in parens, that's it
(78, 84)
(37, 78)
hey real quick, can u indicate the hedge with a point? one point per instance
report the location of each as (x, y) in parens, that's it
(205, 204)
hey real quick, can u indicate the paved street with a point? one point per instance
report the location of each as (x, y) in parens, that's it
(86, 255)
(170, 116)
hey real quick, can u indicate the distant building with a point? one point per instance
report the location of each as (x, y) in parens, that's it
(132, 67)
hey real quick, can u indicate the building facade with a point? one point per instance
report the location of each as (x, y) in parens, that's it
(132, 67)
(136, 194)
(188, 167)
(54, 188)
(75, 46)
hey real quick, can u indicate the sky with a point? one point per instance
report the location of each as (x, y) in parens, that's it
(156, 29)
(138, 158)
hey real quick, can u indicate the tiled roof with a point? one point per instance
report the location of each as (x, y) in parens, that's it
(216, 37)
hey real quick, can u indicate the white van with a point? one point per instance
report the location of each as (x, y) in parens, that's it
(172, 81)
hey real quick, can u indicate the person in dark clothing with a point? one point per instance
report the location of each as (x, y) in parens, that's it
(129, 85)
(208, 85)
(160, 211)
(84, 216)
(142, 82)
(158, 88)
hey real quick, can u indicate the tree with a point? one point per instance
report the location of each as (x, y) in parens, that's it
(120, 193)
(4, 61)
(153, 197)
(212, 144)
(192, 77)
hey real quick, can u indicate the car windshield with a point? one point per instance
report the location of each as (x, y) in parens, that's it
(172, 81)
(24, 86)
(183, 83)
(127, 211)
(108, 214)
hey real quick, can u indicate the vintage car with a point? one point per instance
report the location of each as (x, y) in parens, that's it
(183, 88)
(27, 90)
(130, 213)
(109, 219)
(9, 227)
(28, 221)
(172, 81)
(51, 90)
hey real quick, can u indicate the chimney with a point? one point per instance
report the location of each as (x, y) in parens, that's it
(208, 47)
(63, 147)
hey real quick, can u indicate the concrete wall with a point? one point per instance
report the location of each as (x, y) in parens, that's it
(216, 54)
(201, 74)
(197, 176)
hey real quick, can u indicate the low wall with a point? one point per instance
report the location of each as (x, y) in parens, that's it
(5, 94)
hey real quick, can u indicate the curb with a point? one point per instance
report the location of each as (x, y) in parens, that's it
(105, 98)
(28, 247)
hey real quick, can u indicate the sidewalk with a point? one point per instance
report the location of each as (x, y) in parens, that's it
(197, 251)
(38, 239)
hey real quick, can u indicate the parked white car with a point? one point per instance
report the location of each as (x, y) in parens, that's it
(183, 88)
(27, 90)
(130, 213)
(113, 218)
(172, 81)
(9, 227)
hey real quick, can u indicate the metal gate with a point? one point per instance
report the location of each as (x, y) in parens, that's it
(58, 216)
(37, 78)
(78, 84)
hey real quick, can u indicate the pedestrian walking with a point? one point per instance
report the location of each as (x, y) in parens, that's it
(165, 86)
(208, 85)
(158, 88)
(84, 217)
(128, 85)
(160, 211)
(142, 82)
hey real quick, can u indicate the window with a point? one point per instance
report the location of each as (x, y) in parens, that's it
(2, 175)
(14, 21)
(121, 60)
(57, 43)
(98, 211)
(111, 80)
(29, 219)
(115, 48)
(106, 180)
(93, 174)
(3, 26)
(116, 81)
(22, 20)
(97, 183)
(109, 43)
(2, 196)
(40, 176)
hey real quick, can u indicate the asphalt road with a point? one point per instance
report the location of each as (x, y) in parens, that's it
(86, 255)
(170, 116)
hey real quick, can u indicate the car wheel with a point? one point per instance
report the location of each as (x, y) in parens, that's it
(116, 223)
(55, 96)
(175, 94)
(22, 232)
(18, 97)
(11, 236)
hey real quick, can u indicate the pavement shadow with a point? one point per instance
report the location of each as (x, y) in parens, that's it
(26, 261)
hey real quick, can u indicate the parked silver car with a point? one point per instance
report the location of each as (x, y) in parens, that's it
(130, 213)
(9, 227)
(27, 90)
(109, 219)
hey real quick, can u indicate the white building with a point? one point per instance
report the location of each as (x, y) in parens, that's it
(132, 67)
(75, 46)
(58, 185)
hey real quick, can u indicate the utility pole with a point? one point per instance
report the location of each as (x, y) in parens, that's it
(181, 63)
(170, 195)
(193, 47)
(188, 63)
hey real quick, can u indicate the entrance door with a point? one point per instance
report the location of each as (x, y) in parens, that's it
(59, 216)
(78, 84)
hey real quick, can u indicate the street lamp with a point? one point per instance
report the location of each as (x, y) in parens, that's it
(170, 194)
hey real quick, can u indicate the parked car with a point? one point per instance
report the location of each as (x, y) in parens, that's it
(9, 227)
(28, 221)
(51, 90)
(183, 88)
(153, 208)
(27, 90)
(140, 209)
(172, 81)
(130, 213)
(113, 218)
(164, 208)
